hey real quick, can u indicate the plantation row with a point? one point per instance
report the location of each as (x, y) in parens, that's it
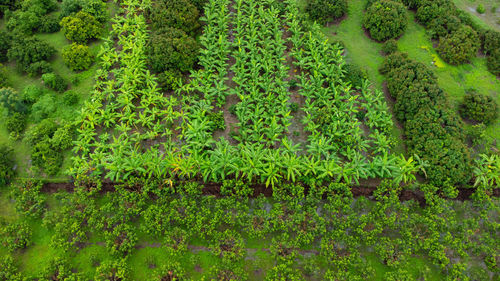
(326, 234)
(129, 129)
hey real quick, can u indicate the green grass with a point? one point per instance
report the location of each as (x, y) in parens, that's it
(454, 80)
(488, 19)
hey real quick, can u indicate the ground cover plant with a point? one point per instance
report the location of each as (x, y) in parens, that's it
(241, 140)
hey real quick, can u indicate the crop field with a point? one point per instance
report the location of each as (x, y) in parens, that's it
(267, 103)
(249, 140)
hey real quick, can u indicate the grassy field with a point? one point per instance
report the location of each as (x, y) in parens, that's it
(454, 80)
(491, 17)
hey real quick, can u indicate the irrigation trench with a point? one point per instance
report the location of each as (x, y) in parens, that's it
(214, 189)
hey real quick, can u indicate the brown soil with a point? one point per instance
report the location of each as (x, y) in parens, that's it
(366, 189)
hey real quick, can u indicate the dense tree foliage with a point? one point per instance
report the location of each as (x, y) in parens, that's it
(323, 11)
(385, 19)
(77, 57)
(27, 51)
(179, 14)
(459, 46)
(81, 27)
(96, 8)
(171, 49)
(6, 165)
(479, 107)
(434, 132)
(5, 44)
(32, 17)
(55, 82)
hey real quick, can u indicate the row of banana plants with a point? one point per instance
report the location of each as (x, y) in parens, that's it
(127, 114)
(260, 71)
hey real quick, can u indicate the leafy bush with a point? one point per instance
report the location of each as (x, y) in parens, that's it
(59, 269)
(354, 74)
(46, 157)
(493, 62)
(429, 10)
(323, 11)
(390, 46)
(15, 236)
(81, 27)
(41, 132)
(28, 50)
(32, 93)
(436, 135)
(443, 25)
(77, 57)
(480, 9)
(16, 123)
(5, 43)
(8, 270)
(491, 41)
(11, 101)
(39, 68)
(171, 49)
(30, 17)
(54, 82)
(70, 98)
(112, 270)
(169, 79)
(49, 24)
(478, 107)
(217, 120)
(29, 201)
(4, 81)
(6, 165)
(178, 14)
(385, 19)
(460, 46)
(63, 138)
(96, 8)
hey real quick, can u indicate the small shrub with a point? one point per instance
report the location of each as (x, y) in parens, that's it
(77, 57)
(5, 43)
(8, 270)
(70, 98)
(323, 11)
(491, 42)
(49, 24)
(39, 68)
(16, 123)
(169, 79)
(4, 81)
(480, 9)
(112, 270)
(54, 82)
(385, 20)
(6, 165)
(29, 201)
(460, 46)
(217, 119)
(354, 74)
(493, 63)
(480, 108)
(389, 47)
(59, 269)
(46, 157)
(81, 27)
(11, 101)
(32, 93)
(63, 138)
(16, 236)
